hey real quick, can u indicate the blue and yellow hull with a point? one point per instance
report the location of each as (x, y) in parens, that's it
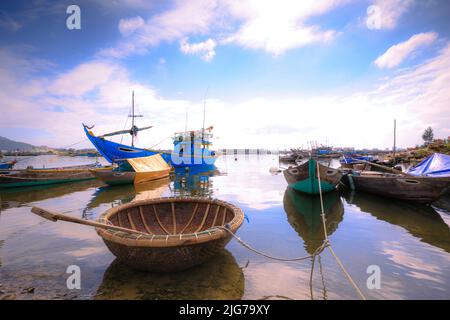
(114, 152)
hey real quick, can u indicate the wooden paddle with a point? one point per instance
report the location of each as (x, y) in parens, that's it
(54, 216)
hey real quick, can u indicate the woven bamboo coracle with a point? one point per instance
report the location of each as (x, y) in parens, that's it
(177, 233)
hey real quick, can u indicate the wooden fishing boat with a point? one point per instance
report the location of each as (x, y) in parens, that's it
(400, 186)
(135, 170)
(304, 177)
(164, 234)
(38, 177)
(288, 158)
(113, 177)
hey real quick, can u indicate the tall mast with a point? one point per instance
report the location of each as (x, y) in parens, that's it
(395, 129)
(132, 117)
(134, 129)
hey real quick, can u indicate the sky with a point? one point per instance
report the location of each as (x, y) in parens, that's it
(271, 74)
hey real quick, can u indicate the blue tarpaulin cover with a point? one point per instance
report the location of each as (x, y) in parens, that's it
(436, 165)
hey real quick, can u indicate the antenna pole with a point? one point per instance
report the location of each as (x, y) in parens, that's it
(186, 121)
(204, 115)
(132, 117)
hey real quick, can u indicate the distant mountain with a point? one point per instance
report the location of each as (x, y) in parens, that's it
(11, 145)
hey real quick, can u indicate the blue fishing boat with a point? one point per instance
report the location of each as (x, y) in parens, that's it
(7, 165)
(349, 159)
(191, 148)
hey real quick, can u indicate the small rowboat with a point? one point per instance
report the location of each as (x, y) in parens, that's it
(164, 234)
(288, 158)
(304, 177)
(135, 170)
(39, 177)
(397, 184)
(400, 186)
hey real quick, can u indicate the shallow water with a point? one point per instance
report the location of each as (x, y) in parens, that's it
(410, 243)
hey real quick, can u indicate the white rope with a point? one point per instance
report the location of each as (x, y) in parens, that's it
(350, 279)
(318, 251)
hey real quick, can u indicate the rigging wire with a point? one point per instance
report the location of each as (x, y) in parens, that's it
(170, 136)
(126, 121)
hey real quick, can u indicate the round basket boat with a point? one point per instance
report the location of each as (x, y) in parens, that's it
(180, 232)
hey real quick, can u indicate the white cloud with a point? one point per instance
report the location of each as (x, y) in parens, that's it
(184, 18)
(204, 48)
(389, 12)
(99, 92)
(282, 25)
(395, 55)
(128, 26)
(94, 92)
(274, 26)
(84, 78)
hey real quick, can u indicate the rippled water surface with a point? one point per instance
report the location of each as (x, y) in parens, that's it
(410, 243)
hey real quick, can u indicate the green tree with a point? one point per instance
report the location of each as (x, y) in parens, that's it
(428, 135)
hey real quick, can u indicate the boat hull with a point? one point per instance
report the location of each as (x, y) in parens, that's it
(118, 178)
(182, 232)
(24, 179)
(115, 178)
(114, 152)
(418, 189)
(304, 178)
(7, 165)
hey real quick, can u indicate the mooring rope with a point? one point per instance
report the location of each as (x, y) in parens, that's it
(246, 245)
(350, 279)
(322, 277)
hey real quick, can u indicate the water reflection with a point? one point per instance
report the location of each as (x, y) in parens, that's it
(120, 194)
(444, 204)
(220, 278)
(421, 221)
(16, 197)
(196, 182)
(113, 195)
(303, 212)
(411, 243)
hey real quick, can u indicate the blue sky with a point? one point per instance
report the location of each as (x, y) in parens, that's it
(274, 74)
